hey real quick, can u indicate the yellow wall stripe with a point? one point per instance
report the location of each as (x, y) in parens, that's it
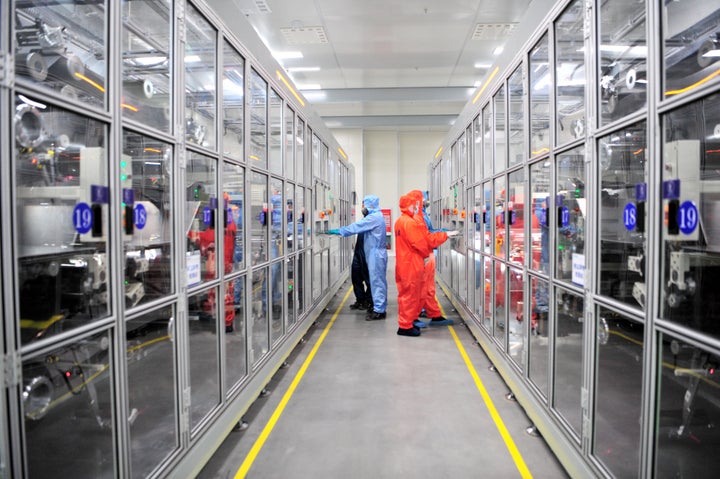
(260, 442)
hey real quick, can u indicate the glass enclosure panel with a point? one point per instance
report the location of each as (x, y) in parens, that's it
(318, 168)
(235, 345)
(691, 44)
(302, 175)
(258, 218)
(299, 219)
(541, 214)
(688, 411)
(570, 73)
(276, 292)
(68, 392)
(623, 196)
(299, 284)
(479, 285)
(539, 350)
(487, 141)
(289, 236)
(500, 143)
(289, 144)
(691, 226)
(499, 306)
(540, 98)
(203, 357)
(515, 217)
(277, 236)
(233, 108)
(151, 390)
(275, 123)
(258, 324)
(258, 121)
(488, 303)
(517, 330)
(516, 117)
(61, 216)
(148, 217)
(569, 309)
(571, 207)
(200, 79)
(500, 214)
(147, 60)
(623, 59)
(201, 212)
(488, 218)
(63, 46)
(477, 150)
(234, 197)
(292, 306)
(618, 393)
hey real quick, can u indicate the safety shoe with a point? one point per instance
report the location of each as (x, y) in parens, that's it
(358, 305)
(441, 321)
(423, 314)
(375, 316)
(420, 324)
(408, 332)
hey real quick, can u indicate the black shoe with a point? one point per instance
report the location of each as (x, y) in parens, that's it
(408, 332)
(370, 307)
(422, 314)
(375, 316)
(229, 328)
(358, 305)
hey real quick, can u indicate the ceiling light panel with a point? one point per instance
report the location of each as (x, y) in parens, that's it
(493, 31)
(253, 7)
(304, 35)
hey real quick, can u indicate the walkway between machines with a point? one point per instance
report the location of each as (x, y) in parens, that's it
(358, 401)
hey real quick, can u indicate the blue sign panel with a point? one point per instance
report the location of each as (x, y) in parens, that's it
(671, 189)
(688, 217)
(82, 218)
(128, 196)
(641, 192)
(565, 216)
(207, 216)
(630, 216)
(140, 215)
(99, 194)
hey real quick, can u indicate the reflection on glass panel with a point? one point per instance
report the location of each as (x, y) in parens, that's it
(147, 219)
(302, 175)
(299, 219)
(477, 150)
(276, 300)
(61, 172)
(623, 59)
(569, 309)
(317, 274)
(500, 144)
(516, 117)
(63, 47)
(317, 167)
(618, 393)
(258, 218)
(488, 308)
(517, 330)
(276, 139)
(201, 212)
(623, 195)
(487, 218)
(539, 350)
(291, 265)
(571, 207)
(479, 238)
(479, 285)
(258, 121)
(691, 227)
(151, 390)
(540, 98)
(147, 60)
(570, 73)
(289, 144)
(235, 345)
(277, 238)
(200, 75)
(487, 140)
(290, 217)
(67, 392)
(299, 284)
(499, 303)
(515, 216)
(203, 355)
(688, 401)
(258, 323)
(539, 229)
(500, 214)
(234, 197)
(692, 46)
(233, 86)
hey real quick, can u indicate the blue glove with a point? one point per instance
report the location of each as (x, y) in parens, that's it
(333, 232)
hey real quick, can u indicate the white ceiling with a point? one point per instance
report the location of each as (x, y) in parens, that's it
(406, 64)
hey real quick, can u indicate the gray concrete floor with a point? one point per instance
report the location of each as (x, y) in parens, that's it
(372, 404)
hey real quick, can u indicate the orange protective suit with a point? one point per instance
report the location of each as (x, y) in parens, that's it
(413, 243)
(428, 301)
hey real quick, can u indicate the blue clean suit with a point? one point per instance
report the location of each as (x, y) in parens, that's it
(373, 225)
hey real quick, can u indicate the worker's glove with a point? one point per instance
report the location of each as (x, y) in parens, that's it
(333, 232)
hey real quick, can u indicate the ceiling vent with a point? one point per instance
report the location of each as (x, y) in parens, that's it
(493, 31)
(253, 7)
(304, 35)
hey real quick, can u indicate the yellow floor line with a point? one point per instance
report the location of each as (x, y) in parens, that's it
(509, 443)
(260, 442)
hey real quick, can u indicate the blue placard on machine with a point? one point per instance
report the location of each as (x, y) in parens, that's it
(630, 216)
(82, 218)
(688, 217)
(140, 214)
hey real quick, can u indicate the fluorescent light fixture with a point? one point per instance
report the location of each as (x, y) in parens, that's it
(498, 51)
(302, 69)
(192, 58)
(712, 54)
(232, 88)
(482, 65)
(286, 55)
(315, 95)
(149, 60)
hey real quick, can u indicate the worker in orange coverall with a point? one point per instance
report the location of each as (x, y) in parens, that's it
(413, 243)
(428, 302)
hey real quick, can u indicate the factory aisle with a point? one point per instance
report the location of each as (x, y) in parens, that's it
(359, 401)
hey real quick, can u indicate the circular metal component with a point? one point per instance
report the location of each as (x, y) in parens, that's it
(74, 66)
(702, 60)
(37, 395)
(603, 332)
(28, 126)
(37, 66)
(630, 79)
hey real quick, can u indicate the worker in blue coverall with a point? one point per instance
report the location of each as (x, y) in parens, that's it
(373, 225)
(359, 274)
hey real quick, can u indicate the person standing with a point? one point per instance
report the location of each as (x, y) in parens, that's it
(359, 273)
(374, 246)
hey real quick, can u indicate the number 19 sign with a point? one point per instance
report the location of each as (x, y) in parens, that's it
(688, 217)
